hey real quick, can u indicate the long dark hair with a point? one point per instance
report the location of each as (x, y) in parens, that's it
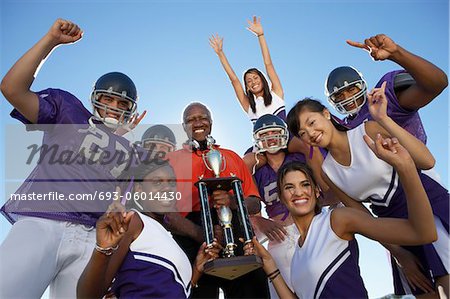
(311, 105)
(250, 96)
(302, 167)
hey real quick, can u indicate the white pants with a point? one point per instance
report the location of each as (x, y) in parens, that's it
(282, 254)
(40, 252)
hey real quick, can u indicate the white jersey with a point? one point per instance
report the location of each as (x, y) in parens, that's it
(326, 266)
(275, 108)
(282, 253)
(367, 177)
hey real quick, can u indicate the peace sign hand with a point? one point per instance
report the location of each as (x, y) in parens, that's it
(113, 225)
(389, 150)
(131, 125)
(377, 102)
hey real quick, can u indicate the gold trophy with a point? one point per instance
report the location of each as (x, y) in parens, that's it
(230, 266)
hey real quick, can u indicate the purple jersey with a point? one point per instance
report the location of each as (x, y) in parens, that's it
(407, 119)
(154, 267)
(266, 180)
(80, 163)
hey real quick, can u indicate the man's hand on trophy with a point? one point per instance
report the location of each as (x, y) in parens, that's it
(223, 198)
(273, 230)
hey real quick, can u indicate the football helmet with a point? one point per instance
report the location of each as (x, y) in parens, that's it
(114, 84)
(340, 79)
(158, 134)
(270, 134)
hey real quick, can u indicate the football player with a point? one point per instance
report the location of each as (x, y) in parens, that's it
(407, 90)
(50, 242)
(159, 138)
(270, 135)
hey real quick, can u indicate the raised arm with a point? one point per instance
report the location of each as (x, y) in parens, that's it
(430, 80)
(377, 107)
(16, 84)
(256, 27)
(216, 43)
(408, 262)
(418, 229)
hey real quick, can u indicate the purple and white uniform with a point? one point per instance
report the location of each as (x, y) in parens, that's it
(282, 252)
(369, 178)
(83, 159)
(407, 119)
(154, 267)
(326, 266)
(266, 180)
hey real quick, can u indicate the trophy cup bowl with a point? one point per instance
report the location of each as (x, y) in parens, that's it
(230, 266)
(213, 161)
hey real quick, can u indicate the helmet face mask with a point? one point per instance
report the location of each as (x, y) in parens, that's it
(271, 143)
(124, 116)
(157, 137)
(120, 87)
(352, 104)
(343, 78)
(151, 144)
(270, 134)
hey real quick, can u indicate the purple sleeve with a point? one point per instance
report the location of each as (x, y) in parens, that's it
(394, 105)
(407, 119)
(56, 107)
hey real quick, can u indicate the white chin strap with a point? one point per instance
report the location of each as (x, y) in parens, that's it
(109, 122)
(273, 150)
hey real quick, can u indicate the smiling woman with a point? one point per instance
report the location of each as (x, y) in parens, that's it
(258, 97)
(325, 262)
(351, 158)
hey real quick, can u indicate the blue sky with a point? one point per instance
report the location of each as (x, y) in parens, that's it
(163, 46)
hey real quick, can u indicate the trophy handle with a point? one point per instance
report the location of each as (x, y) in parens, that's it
(224, 162)
(243, 213)
(206, 163)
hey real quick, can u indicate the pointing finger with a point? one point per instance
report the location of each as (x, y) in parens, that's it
(357, 44)
(383, 86)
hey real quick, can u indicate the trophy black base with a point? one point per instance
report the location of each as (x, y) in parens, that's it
(233, 267)
(222, 183)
